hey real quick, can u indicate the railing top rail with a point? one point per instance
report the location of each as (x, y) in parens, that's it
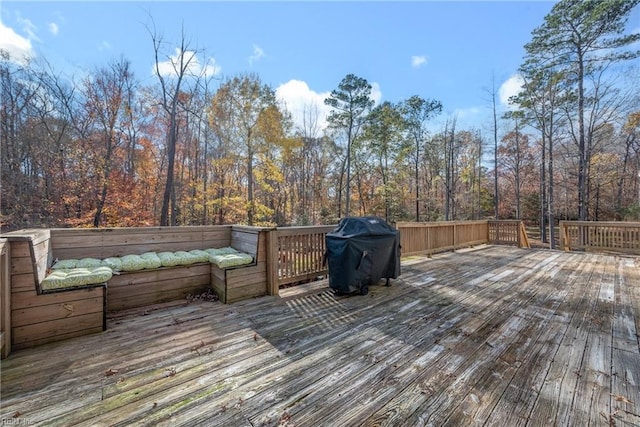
(302, 230)
(601, 224)
(307, 227)
(250, 228)
(143, 228)
(439, 223)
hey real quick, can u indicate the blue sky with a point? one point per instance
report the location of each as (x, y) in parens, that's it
(446, 50)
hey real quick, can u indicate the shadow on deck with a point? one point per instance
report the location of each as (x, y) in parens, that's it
(489, 336)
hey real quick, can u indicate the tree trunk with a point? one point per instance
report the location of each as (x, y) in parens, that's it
(171, 155)
(552, 224)
(348, 189)
(417, 171)
(543, 189)
(495, 155)
(518, 214)
(582, 208)
(250, 210)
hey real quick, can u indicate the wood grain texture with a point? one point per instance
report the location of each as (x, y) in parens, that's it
(5, 299)
(109, 242)
(487, 336)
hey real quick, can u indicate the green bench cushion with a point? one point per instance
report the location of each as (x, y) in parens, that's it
(186, 258)
(71, 273)
(114, 263)
(168, 259)
(75, 277)
(221, 251)
(231, 260)
(200, 255)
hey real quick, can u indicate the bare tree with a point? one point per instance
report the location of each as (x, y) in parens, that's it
(492, 92)
(541, 100)
(171, 72)
(417, 111)
(105, 100)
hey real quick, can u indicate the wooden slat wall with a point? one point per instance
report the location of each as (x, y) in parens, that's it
(469, 233)
(38, 319)
(246, 282)
(36, 256)
(245, 239)
(107, 242)
(148, 287)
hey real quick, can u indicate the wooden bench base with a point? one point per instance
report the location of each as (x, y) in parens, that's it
(236, 284)
(39, 319)
(147, 287)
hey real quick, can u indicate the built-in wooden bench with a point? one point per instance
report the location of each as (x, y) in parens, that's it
(144, 287)
(248, 281)
(39, 317)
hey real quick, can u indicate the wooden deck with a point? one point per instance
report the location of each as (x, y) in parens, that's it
(490, 336)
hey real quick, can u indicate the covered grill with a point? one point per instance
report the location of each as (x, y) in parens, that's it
(360, 252)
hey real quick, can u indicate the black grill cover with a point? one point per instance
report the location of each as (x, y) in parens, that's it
(360, 252)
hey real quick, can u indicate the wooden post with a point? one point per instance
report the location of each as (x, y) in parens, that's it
(564, 239)
(5, 299)
(523, 239)
(272, 262)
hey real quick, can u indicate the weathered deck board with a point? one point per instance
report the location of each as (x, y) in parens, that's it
(625, 370)
(493, 335)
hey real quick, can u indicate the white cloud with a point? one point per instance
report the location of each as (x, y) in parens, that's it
(376, 93)
(305, 105)
(28, 27)
(53, 28)
(105, 45)
(168, 68)
(418, 61)
(258, 53)
(511, 87)
(211, 68)
(19, 48)
(466, 113)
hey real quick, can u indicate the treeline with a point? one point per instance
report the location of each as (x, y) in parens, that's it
(186, 149)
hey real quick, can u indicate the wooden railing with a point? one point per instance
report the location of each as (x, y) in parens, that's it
(600, 236)
(508, 232)
(432, 237)
(296, 254)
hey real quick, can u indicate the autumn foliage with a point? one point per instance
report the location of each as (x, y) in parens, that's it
(95, 153)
